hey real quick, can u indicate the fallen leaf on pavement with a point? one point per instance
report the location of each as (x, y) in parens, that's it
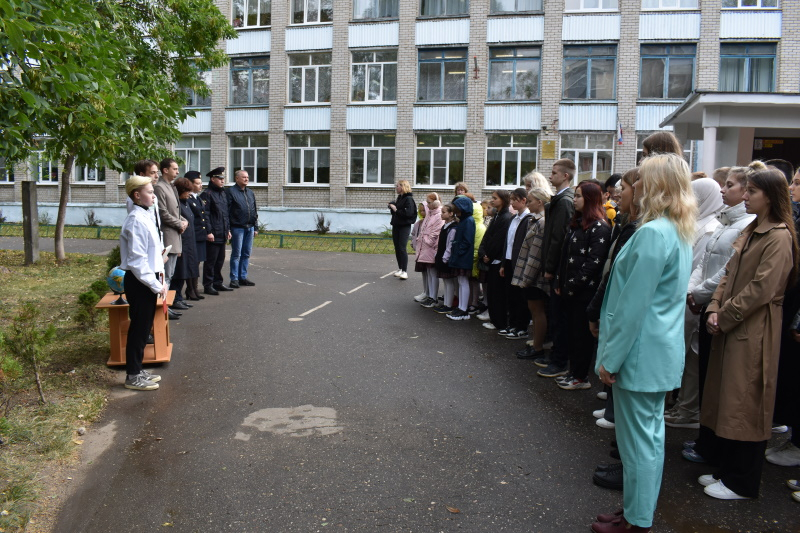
(453, 510)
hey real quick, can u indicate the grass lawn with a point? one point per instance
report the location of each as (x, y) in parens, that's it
(39, 438)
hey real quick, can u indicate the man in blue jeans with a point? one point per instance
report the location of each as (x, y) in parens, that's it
(244, 220)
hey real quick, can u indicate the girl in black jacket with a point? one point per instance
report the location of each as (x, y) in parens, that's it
(490, 253)
(404, 214)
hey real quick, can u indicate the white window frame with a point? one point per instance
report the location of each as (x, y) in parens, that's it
(246, 3)
(36, 164)
(372, 148)
(493, 11)
(431, 149)
(6, 171)
(442, 3)
(575, 152)
(661, 7)
(759, 6)
(374, 62)
(374, 6)
(253, 170)
(304, 69)
(186, 154)
(303, 150)
(581, 7)
(688, 148)
(505, 150)
(305, 12)
(99, 172)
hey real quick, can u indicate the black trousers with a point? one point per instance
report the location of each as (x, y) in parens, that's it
(704, 340)
(739, 462)
(498, 296)
(519, 316)
(141, 310)
(400, 239)
(212, 268)
(580, 342)
(609, 403)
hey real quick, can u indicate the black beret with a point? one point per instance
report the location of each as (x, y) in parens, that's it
(192, 175)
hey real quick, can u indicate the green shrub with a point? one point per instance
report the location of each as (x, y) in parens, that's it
(114, 259)
(99, 287)
(26, 341)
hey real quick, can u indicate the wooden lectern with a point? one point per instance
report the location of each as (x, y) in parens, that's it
(118, 324)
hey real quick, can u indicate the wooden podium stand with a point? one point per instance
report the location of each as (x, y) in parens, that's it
(118, 324)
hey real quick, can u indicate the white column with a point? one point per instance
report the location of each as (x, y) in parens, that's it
(709, 150)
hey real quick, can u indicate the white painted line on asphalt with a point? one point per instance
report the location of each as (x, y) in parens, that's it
(359, 287)
(304, 283)
(343, 294)
(295, 319)
(317, 308)
(389, 274)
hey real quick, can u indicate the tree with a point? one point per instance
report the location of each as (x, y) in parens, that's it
(26, 341)
(101, 82)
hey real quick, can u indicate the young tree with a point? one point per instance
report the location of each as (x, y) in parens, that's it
(101, 82)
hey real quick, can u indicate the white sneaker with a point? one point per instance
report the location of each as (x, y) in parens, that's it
(605, 424)
(788, 456)
(780, 429)
(793, 484)
(796, 496)
(488, 325)
(719, 491)
(403, 275)
(600, 413)
(707, 479)
(774, 449)
(397, 273)
(602, 395)
(483, 316)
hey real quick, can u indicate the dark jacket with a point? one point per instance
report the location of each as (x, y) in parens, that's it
(186, 266)
(557, 214)
(441, 267)
(242, 211)
(494, 240)
(463, 250)
(516, 244)
(406, 213)
(619, 236)
(582, 258)
(198, 207)
(217, 212)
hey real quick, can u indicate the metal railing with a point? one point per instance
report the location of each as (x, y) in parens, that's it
(289, 241)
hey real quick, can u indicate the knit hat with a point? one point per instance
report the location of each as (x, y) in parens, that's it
(134, 182)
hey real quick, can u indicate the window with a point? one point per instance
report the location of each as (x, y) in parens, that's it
(669, 4)
(749, 4)
(748, 68)
(195, 100)
(515, 6)
(442, 75)
(6, 171)
(509, 157)
(640, 137)
(195, 153)
(591, 5)
(589, 72)
(89, 175)
(252, 13)
(372, 159)
(442, 8)
(667, 71)
(312, 11)
(440, 159)
(309, 78)
(514, 73)
(250, 153)
(374, 76)
(250, 81)
(593, 154)
(44, 171)
(376, 9)
(309, 159)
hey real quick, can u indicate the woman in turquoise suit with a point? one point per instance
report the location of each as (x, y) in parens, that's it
(641, 349)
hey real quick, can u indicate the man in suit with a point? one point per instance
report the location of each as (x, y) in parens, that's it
(172, 223)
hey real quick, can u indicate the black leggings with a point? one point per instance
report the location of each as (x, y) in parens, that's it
(400, 239)
(142, 311)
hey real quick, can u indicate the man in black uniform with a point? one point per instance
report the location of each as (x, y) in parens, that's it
(219, 225)
(201, 229)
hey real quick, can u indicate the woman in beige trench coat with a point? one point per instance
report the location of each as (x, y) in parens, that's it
(745, 318)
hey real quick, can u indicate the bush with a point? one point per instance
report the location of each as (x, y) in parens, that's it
(114, 259)
(99, 287)
(26, 341)
(2, 217)
(323, 226)
(262, 227)
(87, 313)
(91, 218)
(45, 219)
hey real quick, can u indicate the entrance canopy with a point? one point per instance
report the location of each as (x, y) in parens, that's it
(728, 123)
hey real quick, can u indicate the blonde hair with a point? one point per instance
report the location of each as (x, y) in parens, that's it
(540, 194)
(135, 183)
(667, 192)
(405, 186)
(538, 181)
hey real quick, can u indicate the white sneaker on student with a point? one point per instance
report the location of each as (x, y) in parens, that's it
(403, 274)
(420, 297)
(600, 413)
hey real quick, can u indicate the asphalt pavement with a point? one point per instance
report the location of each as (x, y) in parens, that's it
(326, 399)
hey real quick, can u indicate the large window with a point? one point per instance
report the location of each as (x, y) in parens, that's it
(442, 75)
(749, 4)
(195, 100)
(593, 154)
(669, 4)
(195, 153)
(441, 8)
(372, 159)
(312, 11)
(374, 76)
(509, 157)
(440, 159)
(748, 68)
(591, 5)
(44, 170)
(667, 71)
(89, 175)
(252, 13)
(6, 171)
(309, 78)
(375, 9)
(515, 6)
(514, 73)
(589, 72)
(250, 81)
(250, 153)
(309, 159)
(640, 137)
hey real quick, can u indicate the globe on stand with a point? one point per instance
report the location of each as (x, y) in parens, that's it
(116, 282)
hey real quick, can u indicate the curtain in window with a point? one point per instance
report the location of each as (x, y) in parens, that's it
(731, 74)
(761, 74)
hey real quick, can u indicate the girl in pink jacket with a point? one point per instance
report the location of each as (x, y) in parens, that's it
(427, 243)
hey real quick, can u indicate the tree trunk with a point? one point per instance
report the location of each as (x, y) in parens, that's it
(38, 383)
(62, 208)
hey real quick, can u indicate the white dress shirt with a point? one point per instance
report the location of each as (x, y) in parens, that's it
(512, 230)
(140, 248)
